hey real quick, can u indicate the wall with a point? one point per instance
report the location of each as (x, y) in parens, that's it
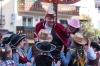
(7, 10)
(88, 7)
(36, 17)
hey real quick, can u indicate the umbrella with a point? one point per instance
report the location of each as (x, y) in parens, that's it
(56, 2)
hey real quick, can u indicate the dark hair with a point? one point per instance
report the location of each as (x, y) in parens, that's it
(4, 51)
(76, 30)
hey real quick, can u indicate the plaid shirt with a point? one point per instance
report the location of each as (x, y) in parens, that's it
(9, 63)
(2, 63)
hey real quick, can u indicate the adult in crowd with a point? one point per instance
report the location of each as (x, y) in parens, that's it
(19, 57)
(57, 30)
(94, 61)
(73, 27)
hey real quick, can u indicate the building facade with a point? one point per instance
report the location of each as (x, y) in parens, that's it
(21, 16)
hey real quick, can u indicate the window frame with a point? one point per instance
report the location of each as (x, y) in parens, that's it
(62, 19)
(40, 18)
(27, 20)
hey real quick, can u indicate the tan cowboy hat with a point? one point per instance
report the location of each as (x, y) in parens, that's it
(44, 35)
(79, 38)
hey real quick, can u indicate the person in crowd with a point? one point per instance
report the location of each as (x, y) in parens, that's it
(57, 30)
(65, 58)
(44, 60)
(93, 61)
(43, 35)
(73, 27)
(6, 38)
(6, 55)
(78, 56)
(17, 42)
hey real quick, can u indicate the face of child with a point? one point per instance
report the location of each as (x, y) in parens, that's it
(23, 42)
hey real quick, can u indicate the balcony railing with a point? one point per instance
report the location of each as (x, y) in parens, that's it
(2, 20)
(28, 31)
(42, 7)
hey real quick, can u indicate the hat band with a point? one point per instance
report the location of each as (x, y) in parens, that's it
(45, 47)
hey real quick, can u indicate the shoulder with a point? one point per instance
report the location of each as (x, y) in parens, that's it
(40, 23)
(60, 26)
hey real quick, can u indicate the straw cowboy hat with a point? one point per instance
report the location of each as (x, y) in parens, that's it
(43, 35)
(74, 23)
(79, 38)
(45, 46)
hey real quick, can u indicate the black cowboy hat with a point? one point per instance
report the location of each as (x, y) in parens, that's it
(6, 40)
(95, 45)
(45, 46)
(16, 39)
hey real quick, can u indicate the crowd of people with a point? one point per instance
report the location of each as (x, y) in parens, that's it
(54, 45)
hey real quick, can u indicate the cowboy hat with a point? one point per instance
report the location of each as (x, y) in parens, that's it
(45, 46)
(79, 38)
(44, 35)
(16, 39)
(74, 23)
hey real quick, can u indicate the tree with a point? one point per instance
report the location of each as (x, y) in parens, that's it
(88, 30)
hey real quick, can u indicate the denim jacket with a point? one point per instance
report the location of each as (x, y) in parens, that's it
(65, 58)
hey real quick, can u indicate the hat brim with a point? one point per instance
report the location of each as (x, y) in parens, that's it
(68, 21)
(49, 15)
(48, 40)
(84, 40)
(38, 45)
(19, 40)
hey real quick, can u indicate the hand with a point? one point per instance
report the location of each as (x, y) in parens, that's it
(28, 64)
(86, 47)
(58, 63)
(32, 59)
(62, 50)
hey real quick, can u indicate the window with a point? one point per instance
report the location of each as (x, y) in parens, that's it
(27, 21)
(64, 22)
(98, 10)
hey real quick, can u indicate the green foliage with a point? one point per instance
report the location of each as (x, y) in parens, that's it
(88, 29)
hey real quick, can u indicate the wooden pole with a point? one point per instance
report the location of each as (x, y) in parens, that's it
(55, 5)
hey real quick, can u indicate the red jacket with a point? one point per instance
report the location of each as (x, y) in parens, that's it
(58, 28)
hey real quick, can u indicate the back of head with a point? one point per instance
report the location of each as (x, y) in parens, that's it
(43, 60)
(4, 51)
(95, 45)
